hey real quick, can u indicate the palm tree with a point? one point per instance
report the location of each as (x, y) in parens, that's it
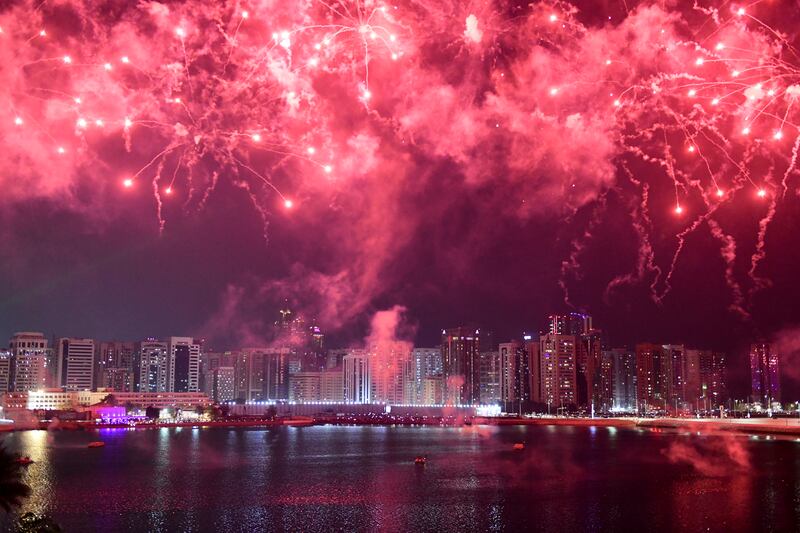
(12, 489)
(34, 523)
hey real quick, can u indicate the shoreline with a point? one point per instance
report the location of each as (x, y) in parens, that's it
(780, 426)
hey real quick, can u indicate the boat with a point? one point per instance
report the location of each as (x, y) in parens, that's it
(421, 460)
(298, 421)
(97, 444)
(24, 461)
(518, 446)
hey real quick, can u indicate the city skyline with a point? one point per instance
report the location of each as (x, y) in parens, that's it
(490, 369)
(739, 364)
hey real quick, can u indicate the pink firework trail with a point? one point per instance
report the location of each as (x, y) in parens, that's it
(319, 98)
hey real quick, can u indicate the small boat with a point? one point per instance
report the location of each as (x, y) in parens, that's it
(97, 444)
(518, 446)
(24, 461)
(421, 460)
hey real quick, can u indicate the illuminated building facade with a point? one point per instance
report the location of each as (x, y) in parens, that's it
(75, 364)
(29, 353)
(152, 366)
(490, 380)
(557, 370)
(461, 348)
(184, 364)
(356, 376)
(623, 377)
(765, 383)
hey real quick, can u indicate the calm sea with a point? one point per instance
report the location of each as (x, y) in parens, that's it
(364, 478)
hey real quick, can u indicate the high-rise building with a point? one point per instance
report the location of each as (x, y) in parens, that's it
(314, 349)
(331, 386)
(222, 381)
(288, 324)
(515, 374)
(490, 380)
(114, 361)
(356, 377)
(208, 362)
(426, 362)
(652, 377)
(764, 375)
(5, 371)
(277, 373)
(569, 324)
(623, 363)
(432, 390)
(461, 349)
(250, 375)
(692, 379)
(713, 390)
(304, 387)
(603, 400)
(676, 377)
(29, 353)
(152, 366)
(334, 358)
(557, 370)
(389, 367)
(533, 347)
(75, 364)
(184, 364)
(588, 363)
(118, 379)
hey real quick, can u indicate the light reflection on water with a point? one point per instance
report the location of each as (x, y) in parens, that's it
(363, 478)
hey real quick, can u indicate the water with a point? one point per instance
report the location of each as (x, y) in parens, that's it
(363, 478)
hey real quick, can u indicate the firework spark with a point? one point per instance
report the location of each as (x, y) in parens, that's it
(288, 100)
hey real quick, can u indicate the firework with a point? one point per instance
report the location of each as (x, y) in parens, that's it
(309, 97)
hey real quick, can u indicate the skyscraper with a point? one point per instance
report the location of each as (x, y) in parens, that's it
(29, 361)
(623, 362)
(713, 389)
(251, 382)
(184, 364)
(569, 324)
(461, 349)
(490, 380)
(427, 363)
(389, 364)
(533, 348)
(764, 375)
(557, 370)
(356, 376)
(603, 399)
(114, 365)
(331, 385)
(152, 366)
(677, 389)
(304, 387)
(75, 364)
(276, 373)
(515, 374)
(222, 384)
(652, 377)
(587, 361)
(5, 371)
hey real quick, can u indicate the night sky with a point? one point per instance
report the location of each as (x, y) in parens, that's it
(463, 195)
